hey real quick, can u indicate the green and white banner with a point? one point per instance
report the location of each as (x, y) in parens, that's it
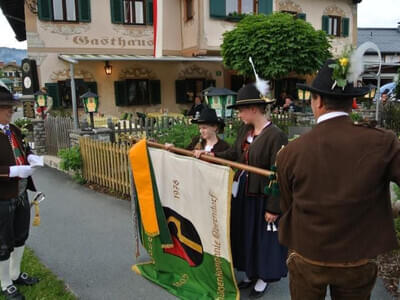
(183, 207)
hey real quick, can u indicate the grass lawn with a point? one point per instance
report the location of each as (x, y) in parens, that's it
(49, 287)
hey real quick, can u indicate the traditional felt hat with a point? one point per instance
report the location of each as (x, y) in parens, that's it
(6, 97)
(324, 84)
(250, 95)
(209, 116)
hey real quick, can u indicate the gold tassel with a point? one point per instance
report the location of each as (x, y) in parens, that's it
(36, 219)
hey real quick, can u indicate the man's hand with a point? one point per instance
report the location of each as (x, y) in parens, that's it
(21, 171)
(270, 218)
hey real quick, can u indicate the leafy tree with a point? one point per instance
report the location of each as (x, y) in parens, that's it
(278, 43)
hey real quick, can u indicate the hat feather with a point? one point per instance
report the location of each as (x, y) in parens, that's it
(356, 61)
(3, 85)
(261, 84)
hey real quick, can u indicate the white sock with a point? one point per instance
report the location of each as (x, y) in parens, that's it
(15, 262)
(246, 279)
(5, 279)
(260, 285)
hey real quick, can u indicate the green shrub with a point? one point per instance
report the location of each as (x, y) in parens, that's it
(180, 135)
(71, 160)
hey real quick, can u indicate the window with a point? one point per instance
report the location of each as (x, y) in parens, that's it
(189, 9)
(336, 25)
(240, 6)
(295, 14)
(224, 8)
(64, 10)
(137, 92)
(187, 89)
(61, 92)
(134, 11)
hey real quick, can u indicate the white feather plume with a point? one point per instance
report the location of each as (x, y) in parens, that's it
(356, 61)
(2, 84)
(261, 84)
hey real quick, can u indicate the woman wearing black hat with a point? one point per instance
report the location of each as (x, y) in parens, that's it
(209, 126)
(254, 215)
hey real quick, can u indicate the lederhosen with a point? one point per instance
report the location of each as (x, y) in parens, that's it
(14, 218)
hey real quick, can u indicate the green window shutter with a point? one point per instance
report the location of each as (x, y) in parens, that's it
(92, 86)
(45, 11)
(265, 7)
(301, 16)
(155, 91)
(54, 92)
(217, 8)
(180, 90)
(120, 91)
(117, 12)
(84, 10)
(325, 23)
(345, 27)
(149, 12)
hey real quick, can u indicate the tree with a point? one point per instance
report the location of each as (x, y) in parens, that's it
(279, 44)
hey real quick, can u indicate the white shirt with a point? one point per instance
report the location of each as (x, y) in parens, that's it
(331, 115)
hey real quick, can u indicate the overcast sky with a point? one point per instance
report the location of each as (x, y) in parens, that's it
(371, 13)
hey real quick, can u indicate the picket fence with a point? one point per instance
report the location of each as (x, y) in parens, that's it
(57, 131)
(106, 164)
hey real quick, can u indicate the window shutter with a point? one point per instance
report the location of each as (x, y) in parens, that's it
(92, 86)
(180, 90)
(301, 16)
(45, 11)
(84, 10)
(325, 23)
(155, 91)
(217, 8)
(149, 12)
(345, 27)
(265, 7)
(54, 92)
(117, 12)
(120, 93)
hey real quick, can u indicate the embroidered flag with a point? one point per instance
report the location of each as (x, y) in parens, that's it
(192, 198)
(16, 147)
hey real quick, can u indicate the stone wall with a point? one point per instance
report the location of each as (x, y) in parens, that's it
(39, 137)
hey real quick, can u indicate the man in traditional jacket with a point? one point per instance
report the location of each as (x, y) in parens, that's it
(335, 197)
(16, 167)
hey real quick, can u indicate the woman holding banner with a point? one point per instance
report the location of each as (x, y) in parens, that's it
(209, 127)
(255, 215)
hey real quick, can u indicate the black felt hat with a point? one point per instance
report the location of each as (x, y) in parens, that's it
(209, 116)
(324, 84)
(250, 95)
(6, 97)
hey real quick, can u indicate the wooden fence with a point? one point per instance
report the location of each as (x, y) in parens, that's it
(106, 164)
(57, 133)
(144, 127)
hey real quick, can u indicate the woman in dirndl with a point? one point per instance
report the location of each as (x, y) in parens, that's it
(255, 215)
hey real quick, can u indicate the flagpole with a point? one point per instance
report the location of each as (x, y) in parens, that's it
(210, 158)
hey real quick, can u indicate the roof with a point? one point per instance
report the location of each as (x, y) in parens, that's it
(387, 39)
(213, 91)
(75, 58)
(15, 14)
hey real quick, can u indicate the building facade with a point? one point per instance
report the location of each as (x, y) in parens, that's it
(154, 62)
(11, 75)
(388, 42)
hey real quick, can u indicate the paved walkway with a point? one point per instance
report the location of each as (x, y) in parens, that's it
(86, 239)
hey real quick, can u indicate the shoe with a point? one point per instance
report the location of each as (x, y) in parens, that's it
(255, 294)
(12, 293)
(25, 279)
(245, 284)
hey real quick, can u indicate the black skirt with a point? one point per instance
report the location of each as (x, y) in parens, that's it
(255, 250)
